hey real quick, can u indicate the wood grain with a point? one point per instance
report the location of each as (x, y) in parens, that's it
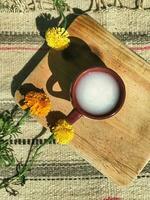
(119, 147)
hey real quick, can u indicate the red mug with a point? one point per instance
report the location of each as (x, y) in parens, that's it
(77, 111)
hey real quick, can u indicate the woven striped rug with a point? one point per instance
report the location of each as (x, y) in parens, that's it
(60, 173)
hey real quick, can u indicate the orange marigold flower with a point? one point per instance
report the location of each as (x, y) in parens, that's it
(38, 103)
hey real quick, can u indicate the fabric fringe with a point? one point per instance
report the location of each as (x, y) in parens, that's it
(96, 5)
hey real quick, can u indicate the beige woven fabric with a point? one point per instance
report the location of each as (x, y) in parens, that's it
(80, 190)
(60, 173)
(27, 5)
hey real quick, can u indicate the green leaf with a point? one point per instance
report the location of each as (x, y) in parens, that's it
(1, 123)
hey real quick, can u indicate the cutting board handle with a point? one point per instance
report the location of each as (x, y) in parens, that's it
(73, 116)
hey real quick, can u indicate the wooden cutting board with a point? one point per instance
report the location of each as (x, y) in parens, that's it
(119, 147)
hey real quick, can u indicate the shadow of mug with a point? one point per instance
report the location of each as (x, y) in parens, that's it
(66, 65)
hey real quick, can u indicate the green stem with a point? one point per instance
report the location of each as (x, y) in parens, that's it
(14, 110)
(65, 20)
(26, 167)
(23, 118)
(60, 7)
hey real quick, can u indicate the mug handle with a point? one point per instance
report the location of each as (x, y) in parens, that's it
(73, 116)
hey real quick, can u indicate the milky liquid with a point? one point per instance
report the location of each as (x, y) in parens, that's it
(97, 93)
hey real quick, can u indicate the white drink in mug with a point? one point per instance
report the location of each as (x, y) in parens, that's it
(97, 93)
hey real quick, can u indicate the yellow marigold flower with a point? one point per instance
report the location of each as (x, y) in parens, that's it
(38, 103)
(57, 38)
(63, 132)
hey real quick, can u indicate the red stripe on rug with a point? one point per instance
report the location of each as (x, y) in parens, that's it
(5, 48)
(140, 48)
